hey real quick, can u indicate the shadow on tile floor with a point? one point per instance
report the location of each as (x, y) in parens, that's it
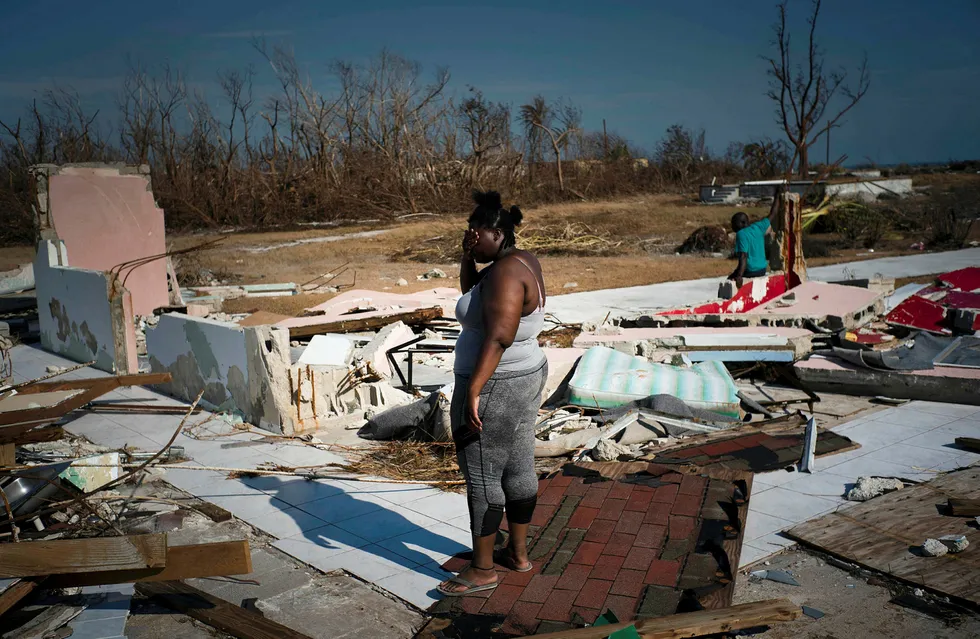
(341, 522)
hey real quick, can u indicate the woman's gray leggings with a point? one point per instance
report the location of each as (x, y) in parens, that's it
(498, 462)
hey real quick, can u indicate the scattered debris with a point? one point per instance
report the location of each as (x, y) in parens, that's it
(955, 543)
(401, 282)
(608, 450)
(434, 274)
(813, 613)
(934, 548)
(870, 487)
(780, 576)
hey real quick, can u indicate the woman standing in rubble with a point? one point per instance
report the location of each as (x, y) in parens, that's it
(500, 375)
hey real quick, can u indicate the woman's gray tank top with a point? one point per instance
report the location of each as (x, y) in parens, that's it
(524, 354)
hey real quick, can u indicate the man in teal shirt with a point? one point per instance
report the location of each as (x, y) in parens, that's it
(750, 243)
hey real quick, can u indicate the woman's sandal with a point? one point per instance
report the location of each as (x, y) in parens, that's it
(470, 586)
(507, 560)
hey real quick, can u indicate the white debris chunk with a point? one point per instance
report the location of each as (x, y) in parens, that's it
(934, 548)
(871, 487)
(955, 543)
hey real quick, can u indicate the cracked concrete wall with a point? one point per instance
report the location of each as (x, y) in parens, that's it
(241, 370)
(84, 315)
(322, 396)
(92, 207)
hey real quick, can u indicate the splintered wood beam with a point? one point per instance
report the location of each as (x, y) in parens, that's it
(91, 389)
(219, 614)
(694, 624)
(36, 558)
(959, 507)
(183, 562)
(117, 381)
(412, 318)
(17, 591)
(14, 435)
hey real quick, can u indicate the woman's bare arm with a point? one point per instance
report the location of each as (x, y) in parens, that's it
(503, 303)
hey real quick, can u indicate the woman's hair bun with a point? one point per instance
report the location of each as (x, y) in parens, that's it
(487, 200)
(515, 215)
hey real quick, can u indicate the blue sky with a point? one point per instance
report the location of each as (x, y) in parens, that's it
(640, 65)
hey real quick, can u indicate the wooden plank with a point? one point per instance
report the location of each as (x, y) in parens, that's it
(7, 455)
(50, 619)
(694, 624)
(722, 598)
(969, 443)
(17, 591)
(412, 318)
(183, 562)
(136, 379)
(13, 435)
(963, 507)
(217, 613)
(883, 534)
(92, 388)
(36, 558)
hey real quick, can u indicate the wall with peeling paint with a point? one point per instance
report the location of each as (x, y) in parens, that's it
(83, 315)
(241, 370)
(95, 207)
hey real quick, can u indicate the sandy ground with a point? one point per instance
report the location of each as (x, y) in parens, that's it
(633, 242)
(855, 605)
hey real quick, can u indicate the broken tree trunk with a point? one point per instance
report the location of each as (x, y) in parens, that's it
(412, 318)
(217, 613)
(694, 624)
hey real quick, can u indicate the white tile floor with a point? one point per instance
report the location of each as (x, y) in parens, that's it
(397, 535)
(393, 535)
(913, 441)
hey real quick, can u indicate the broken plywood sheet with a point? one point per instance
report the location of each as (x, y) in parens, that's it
(883, 533)
(757, 453)
(646, 544)
(91, 207)
(35, 400)
(360, 304)
(941, 384)
(83, 315)
(775, 397)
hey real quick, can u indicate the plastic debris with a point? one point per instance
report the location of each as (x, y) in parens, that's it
(813, 613)
(780, 576)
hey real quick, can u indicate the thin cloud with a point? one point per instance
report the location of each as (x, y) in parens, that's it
(242, 35)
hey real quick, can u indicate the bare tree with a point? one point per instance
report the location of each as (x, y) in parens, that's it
(487, 127)
(803, 92)
(558, 121)
(680, 152)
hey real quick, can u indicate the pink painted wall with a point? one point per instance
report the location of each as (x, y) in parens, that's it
(104, 219)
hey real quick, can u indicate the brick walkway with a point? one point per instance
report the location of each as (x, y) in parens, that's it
(646, 545)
